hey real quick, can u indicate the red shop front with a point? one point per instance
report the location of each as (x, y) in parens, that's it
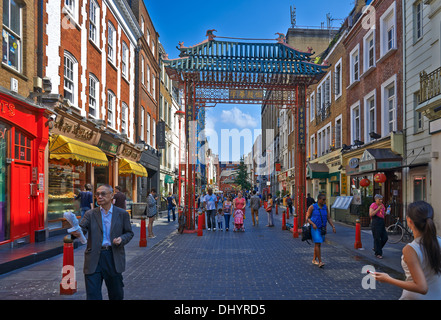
(24, 134)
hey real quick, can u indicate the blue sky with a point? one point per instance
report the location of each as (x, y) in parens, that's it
(188, 21)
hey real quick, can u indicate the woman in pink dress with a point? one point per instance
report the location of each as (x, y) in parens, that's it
(239, 204)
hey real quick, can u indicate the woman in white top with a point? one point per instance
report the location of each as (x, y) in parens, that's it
(421, 259)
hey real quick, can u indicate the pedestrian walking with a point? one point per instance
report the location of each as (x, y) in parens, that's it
(86, 199)
(210, 205)
(220, 219)
(421, 259)
(108, 229)
(269, 210)
(239, 203)
(255, 205)
(309, 200)
(289, 203)
(119, 198)
(227, 207)
(318, 216)
(377, 211)
(151, 211)
(171, 204)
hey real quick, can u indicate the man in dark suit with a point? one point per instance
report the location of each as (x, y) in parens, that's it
(108, 229)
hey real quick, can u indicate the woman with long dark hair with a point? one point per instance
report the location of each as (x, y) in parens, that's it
(421, 259)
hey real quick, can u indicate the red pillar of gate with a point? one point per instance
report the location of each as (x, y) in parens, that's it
(300, 164)
(190, 116)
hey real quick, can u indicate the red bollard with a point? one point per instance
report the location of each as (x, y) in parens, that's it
(200, 222)
(203, 220)
(284, 221)
(357, 244)
(68, 283)
(295, 228)
(143, 238)
(277, 209)
(287, 212)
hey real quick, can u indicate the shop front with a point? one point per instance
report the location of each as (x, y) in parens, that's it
(382, 168)
(71, 166)
(23, 139)
(150, 160)
(129, 170)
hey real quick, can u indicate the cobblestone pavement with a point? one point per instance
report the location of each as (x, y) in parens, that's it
(261, 263)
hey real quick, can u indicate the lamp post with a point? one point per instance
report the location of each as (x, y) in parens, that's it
(180, 115)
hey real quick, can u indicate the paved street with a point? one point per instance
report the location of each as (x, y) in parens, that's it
(259, 264)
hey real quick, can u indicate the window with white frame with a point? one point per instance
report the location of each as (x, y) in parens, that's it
(418, 116)
(418, 20)
(391, 108)
(93, 95)
(327, 91)
(141, 127)
(153, 85)
(355, 123)
(111, 100)
(369, 50)
(370, 116)
(312, 147)
(337, 80)
(70, 77)
(153, 133)
(328, 142)
(142, 70)
(111, 42)
(125, 60)
(124, 116)
(312, 107)
(319, 144)
(388, 30)
(355, 65)
(12, 34)
(142, 24)
(94, 22)
(71, 7)
(148, 79)
(338, 132)
(318, 101)
(148, 129)
(148, 36)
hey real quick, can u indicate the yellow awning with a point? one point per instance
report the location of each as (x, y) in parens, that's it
(127, 166)
(61, 147)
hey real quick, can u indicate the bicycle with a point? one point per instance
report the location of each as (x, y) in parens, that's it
(397, 232)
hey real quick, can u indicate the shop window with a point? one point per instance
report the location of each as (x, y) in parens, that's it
(22, 147)
(66, 179)
(4, 180)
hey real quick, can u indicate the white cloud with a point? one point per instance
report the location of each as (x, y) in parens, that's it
(236, 117)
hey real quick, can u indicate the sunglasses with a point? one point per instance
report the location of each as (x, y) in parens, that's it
(101, 194)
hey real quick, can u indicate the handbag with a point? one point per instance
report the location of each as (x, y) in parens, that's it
(306, 232)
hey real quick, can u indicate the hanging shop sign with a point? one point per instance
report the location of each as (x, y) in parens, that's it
(107, 146)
